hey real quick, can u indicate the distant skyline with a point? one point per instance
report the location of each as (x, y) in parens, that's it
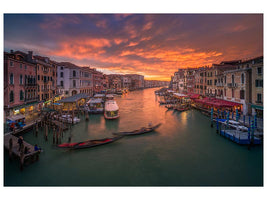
(153, 45)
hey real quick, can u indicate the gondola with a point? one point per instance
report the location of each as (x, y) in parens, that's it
(88, 143)
(139, 131)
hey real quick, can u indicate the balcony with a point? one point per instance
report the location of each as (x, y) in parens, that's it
(232, 85)
(219, 84)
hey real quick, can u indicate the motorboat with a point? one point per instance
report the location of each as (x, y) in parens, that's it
(95, 105)
(111, 108)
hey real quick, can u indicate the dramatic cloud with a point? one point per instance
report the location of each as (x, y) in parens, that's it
(154, 45)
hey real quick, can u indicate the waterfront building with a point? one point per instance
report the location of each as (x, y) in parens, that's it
(175, 81)
(245, 85)
(126, 82)
(190, 80)
(46, 77)
(257, 86)
(97, 80)
(137, 81)
(105, 82)
(68, 79)
(200, 80)
(20, 88)
(86, 81)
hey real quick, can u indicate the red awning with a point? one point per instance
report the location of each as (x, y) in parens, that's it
(217, 102)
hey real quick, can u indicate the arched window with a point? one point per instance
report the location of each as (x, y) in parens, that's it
(11, 96)
(21, 95)
(11, 79)
(242, 78)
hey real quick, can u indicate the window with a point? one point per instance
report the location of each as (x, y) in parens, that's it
(233, 79)
(66, 92)
(11, 79)
(21, 79)
(61, 83)
(259, 70)
(258, 83)
(215, 81)
(210, 82)
(61, 74)
(242, 78)
(242, 94)
(38, 77)
(259, 98)
(11, 96)
(21, 95)
(74, 73)
(61, 68)
(74, 83)
(25, 67)
(20, 66)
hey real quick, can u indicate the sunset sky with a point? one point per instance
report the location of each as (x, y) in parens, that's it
(154, 45)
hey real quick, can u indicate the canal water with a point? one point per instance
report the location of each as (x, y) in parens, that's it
(183, 151)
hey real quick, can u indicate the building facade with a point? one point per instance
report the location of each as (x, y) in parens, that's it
(20, 88)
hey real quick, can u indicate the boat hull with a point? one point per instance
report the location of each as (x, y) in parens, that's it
(88, 143)
(138, 132)
(114, 117)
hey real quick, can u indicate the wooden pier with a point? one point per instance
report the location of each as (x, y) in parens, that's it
(11, 144)
(25, 128)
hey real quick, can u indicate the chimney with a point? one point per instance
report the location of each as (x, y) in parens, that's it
(29, 56)
(11, 51)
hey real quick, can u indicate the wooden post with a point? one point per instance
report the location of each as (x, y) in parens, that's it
(10, 148)
(46, 132)
(54, 132)
(87, 116)
(72, 115)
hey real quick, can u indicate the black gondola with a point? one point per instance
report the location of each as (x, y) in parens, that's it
(88, 143)
(139, 131)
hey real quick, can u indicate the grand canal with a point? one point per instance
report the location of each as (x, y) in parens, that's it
(184, 151)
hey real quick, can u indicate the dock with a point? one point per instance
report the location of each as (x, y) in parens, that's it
(240, 137)
(14, 151)
(25, 128)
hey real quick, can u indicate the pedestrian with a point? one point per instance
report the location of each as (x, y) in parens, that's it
(20, 141)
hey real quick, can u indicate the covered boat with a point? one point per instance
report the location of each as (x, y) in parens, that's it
(139, 131)
(95, 105)
(111, 110)
(88, 143)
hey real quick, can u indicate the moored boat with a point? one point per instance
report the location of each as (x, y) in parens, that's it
(95, 105)
(111, 108)
(88, 143)
(139, 131)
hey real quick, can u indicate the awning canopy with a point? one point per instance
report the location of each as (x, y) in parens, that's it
(257, 107)
(74, 98)
(16, 117)
(217, 102)
(93, 100)
(179, 95)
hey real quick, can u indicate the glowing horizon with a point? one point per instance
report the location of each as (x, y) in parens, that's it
(154, 45)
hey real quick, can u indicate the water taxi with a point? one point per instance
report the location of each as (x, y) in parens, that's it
(111, 108)
(95, 105)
